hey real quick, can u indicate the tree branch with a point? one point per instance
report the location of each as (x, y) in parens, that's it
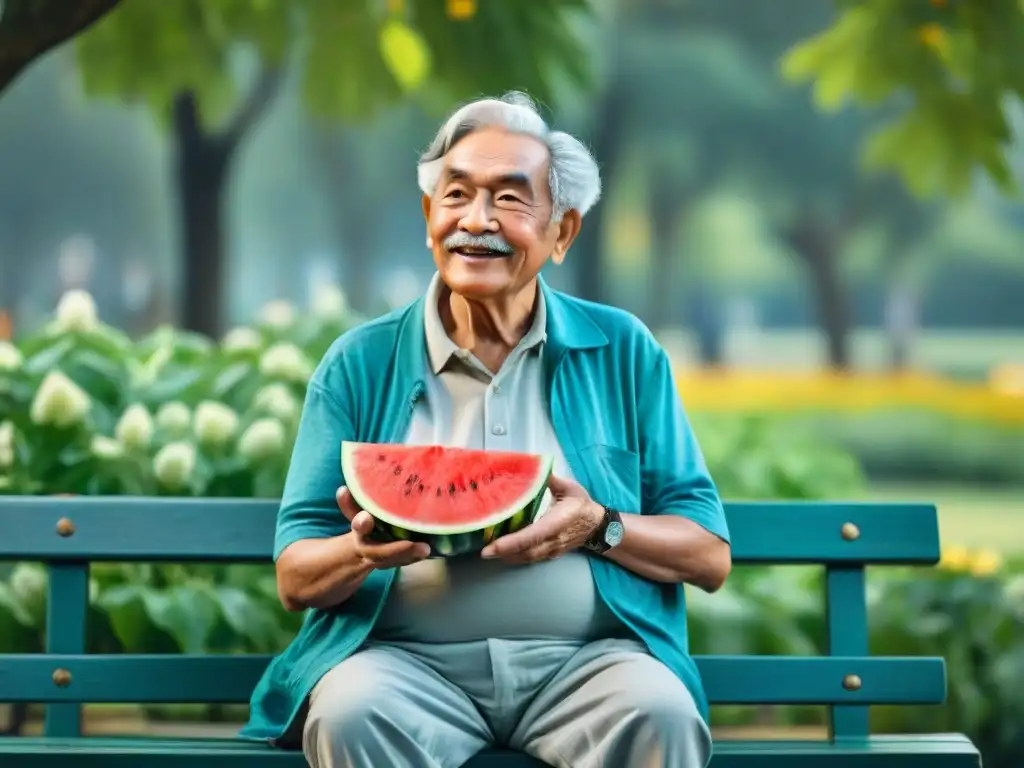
(30, 28)
(252, 109)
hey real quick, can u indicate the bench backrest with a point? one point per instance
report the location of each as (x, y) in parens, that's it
(69, 533)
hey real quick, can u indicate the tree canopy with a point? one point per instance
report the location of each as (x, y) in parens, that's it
(354, 58)
(945, 71)
(948, 70)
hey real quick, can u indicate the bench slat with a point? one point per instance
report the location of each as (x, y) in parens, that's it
(227, 679)
(242, 530)
(932, 751)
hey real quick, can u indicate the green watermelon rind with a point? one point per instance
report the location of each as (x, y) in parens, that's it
(448, 540)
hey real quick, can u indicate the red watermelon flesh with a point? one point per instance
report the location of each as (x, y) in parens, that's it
(454, 498)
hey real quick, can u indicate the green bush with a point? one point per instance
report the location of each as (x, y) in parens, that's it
(969, 611)
(920, 445)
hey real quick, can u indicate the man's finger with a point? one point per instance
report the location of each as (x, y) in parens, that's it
(394, 553)
(520, 541)
(346, 503)
(545, 550)
(363, 523)
(561, 487)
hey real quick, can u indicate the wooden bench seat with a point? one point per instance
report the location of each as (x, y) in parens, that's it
(70, 533)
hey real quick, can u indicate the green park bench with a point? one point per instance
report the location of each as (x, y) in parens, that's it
(69, 533)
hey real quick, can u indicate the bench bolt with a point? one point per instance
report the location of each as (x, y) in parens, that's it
(851, 682)
(61, 678)
(850, 531)
(65, 527)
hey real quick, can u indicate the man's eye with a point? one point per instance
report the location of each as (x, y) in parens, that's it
(509, 198)
(455, 193)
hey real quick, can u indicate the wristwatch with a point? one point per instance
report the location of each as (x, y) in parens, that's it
(608, 534)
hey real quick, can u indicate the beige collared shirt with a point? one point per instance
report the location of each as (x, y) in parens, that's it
(467, 406)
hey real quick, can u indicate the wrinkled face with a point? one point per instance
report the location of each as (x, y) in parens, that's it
(489, 219)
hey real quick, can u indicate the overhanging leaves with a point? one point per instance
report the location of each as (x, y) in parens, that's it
(952, 68)
(354, 59)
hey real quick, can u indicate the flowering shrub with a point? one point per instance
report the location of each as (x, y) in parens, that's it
(84, 409)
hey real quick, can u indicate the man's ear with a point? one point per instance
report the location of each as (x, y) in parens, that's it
(425, 202)
(568, 228)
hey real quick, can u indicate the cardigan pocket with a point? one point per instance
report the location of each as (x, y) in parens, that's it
(614, 476)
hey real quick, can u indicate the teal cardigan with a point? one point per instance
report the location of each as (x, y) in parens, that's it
(616, 412)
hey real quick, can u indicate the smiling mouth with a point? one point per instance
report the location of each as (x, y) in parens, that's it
(479, 253)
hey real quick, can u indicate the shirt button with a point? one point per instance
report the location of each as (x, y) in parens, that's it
(498, 429)
(496, 389)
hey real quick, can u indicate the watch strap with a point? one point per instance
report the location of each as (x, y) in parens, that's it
(598, 541)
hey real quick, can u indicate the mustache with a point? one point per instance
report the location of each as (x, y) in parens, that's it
(494, 243)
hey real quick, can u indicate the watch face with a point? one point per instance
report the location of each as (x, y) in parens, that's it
(613, 533)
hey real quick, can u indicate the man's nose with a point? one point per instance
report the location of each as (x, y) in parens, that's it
(479, 218)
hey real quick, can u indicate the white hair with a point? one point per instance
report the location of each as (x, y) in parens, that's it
(574, 178)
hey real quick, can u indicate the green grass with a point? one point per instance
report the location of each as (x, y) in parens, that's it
(968, 515)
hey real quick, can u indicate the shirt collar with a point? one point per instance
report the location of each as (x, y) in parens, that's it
(440, 347)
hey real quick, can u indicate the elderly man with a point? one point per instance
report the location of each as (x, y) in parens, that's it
(566, 640)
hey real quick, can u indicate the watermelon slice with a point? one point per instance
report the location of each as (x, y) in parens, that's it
(454, 499)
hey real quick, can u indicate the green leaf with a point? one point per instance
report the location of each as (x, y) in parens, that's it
(125, 607)
(405, 54)
(47, 357)
(249, 618)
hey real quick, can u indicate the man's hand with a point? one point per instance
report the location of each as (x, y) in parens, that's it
(569, 522)
(373, 554)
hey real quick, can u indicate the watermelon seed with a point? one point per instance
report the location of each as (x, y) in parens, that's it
(451, 489)
(438, 491)
(420, 489)
(381, 457)
(398, 470)
(472, 484)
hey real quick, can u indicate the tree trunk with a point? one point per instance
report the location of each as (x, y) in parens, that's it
(706, 321)
(664, 201)
(818, 244)
(201, 175)
(202, 167)
(588, 252)
(30, 28)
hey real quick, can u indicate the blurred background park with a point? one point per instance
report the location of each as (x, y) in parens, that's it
(812, 204)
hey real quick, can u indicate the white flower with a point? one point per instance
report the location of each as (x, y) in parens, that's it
(287, 362)
(329, 302)
(215, 423)
(278, 401)
(28, 581)
(175, 418)
(278, 313)
(242, 339)
(59, 402)
(174, 464)
(10, 356)
(76, 311)
(135, 428)
(103, 447)
(6, 444)
(263, 439)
